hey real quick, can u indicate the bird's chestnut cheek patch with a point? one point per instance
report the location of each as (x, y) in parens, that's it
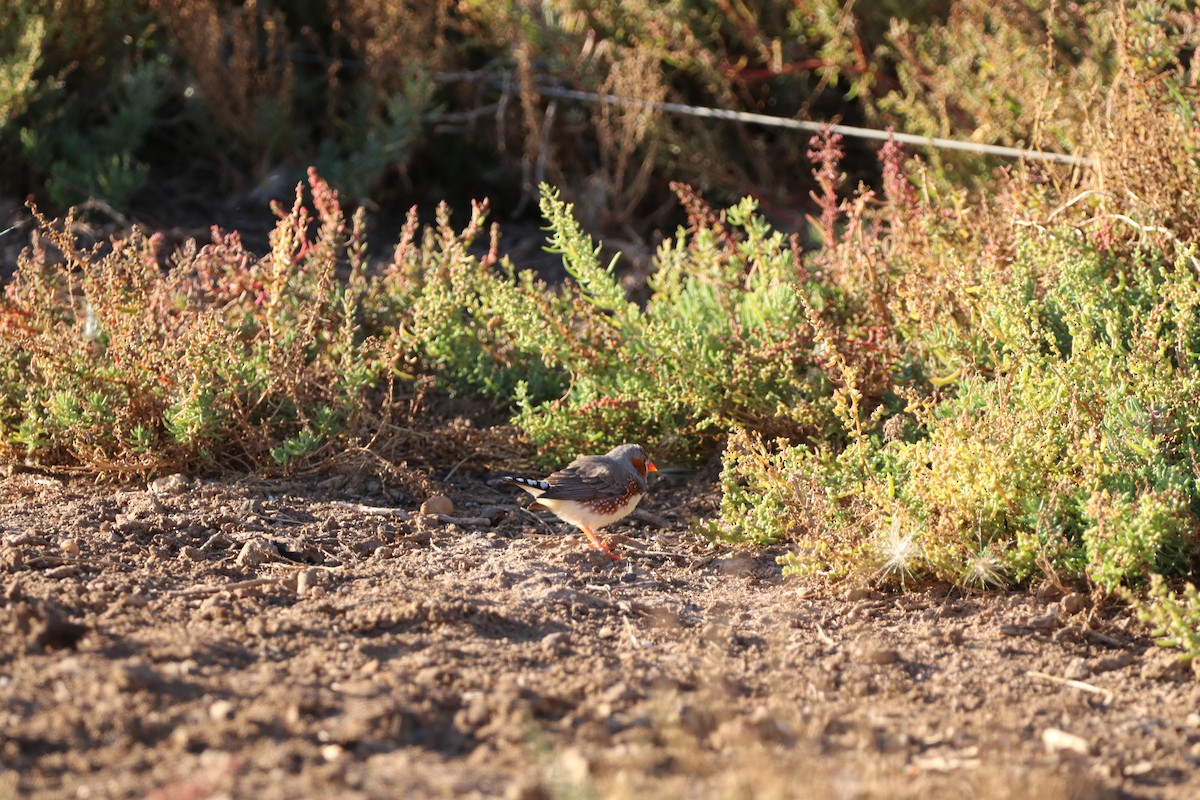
(639, 465)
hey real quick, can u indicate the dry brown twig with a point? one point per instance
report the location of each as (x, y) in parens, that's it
(1105, 694)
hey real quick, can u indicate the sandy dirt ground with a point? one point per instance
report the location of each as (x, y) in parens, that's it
(322, 638)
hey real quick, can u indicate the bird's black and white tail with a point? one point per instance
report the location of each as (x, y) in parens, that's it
(531, 482)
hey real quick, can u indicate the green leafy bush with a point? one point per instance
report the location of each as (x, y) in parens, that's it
(1068, 449)
(448, 304)
(718, 341)
(21, 38)
(1174, 616)
(722, 341)
(93, 94)
(81, 88)
(111, 364)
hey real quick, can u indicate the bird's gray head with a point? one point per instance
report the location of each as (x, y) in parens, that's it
(635, 457)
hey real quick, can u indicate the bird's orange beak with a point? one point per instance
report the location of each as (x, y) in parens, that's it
(650, 466)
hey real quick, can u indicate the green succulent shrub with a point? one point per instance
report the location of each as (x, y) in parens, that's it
(722, 342)
(113, 364)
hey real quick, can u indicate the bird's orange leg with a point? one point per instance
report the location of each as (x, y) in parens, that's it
(600, 545)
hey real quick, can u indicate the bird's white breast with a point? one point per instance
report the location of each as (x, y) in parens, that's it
(580, 515)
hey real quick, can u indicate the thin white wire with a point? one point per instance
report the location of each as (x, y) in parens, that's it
(817, 127)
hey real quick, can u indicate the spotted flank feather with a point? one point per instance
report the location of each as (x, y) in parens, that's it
(607, 506)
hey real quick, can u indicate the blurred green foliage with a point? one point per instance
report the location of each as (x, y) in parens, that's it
(107, 98)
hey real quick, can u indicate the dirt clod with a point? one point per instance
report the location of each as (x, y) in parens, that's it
(47, 626)
(875, 654)
(255, 552)
(170, 485)
(136, 676)
(1117, 661)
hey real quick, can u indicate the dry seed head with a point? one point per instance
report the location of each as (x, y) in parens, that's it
(898, 553)
(985, 570)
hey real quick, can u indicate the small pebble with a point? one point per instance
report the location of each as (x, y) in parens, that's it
(69, 546)
(1056, 741)
(1077, 670)
(437, 504)
(1073, 603)
(220, 711)
(306, 581)
(555, 642)
(525, 789)
(573, 765)
(191, 553)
